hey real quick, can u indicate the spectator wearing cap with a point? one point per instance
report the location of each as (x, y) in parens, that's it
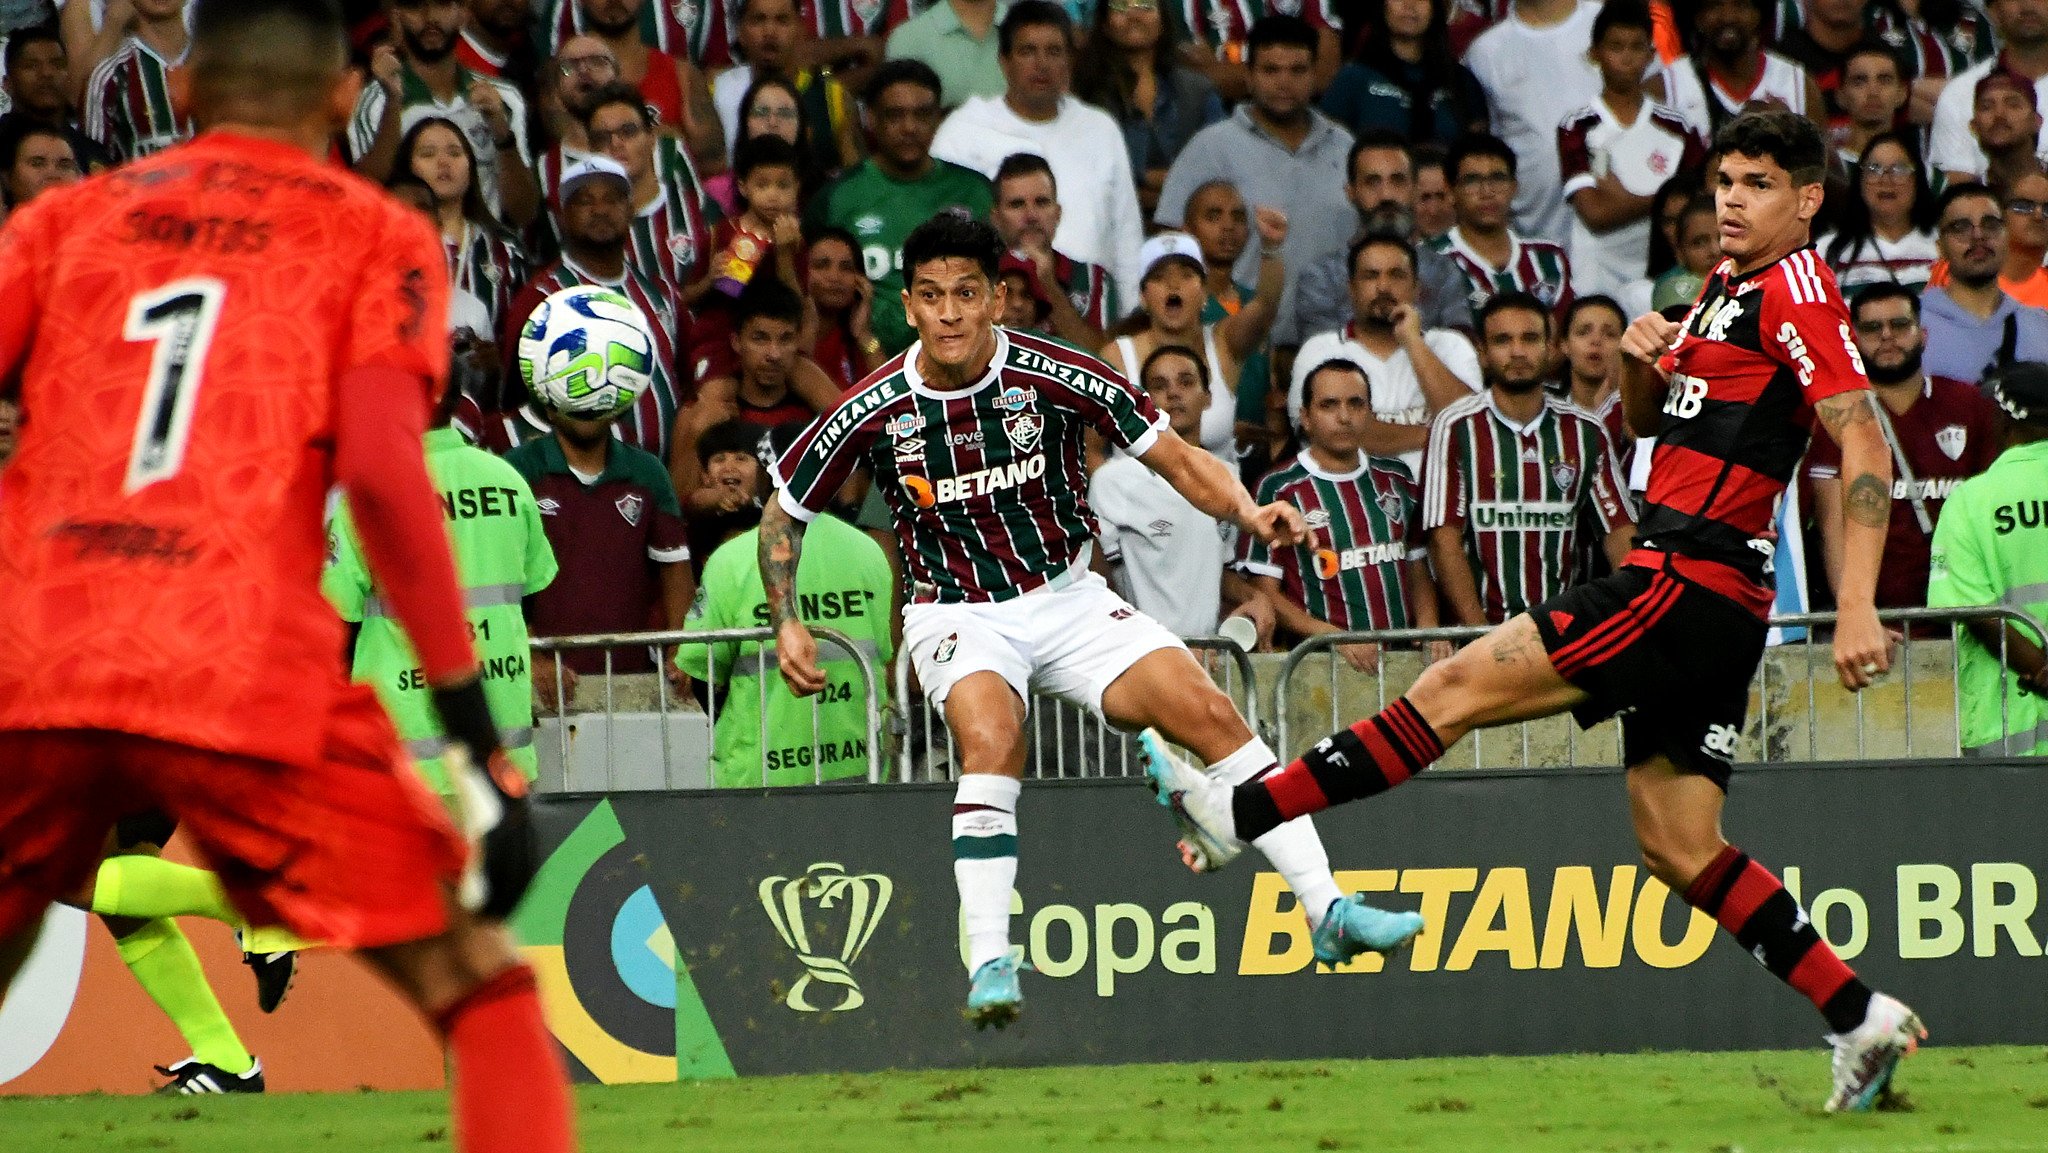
(1277, 150)
(1174, 291)
(1940, 432)
(1081, 299)
(2023, 50)
(672, 229)
(33, 159)
(34, 90)
(1082, 145)
(595, 214)
(1161, 553)
(959, 42)
(417, 76)
(2007, 127)
(898, 187)
(1970, 322)
(1412, 372)
(765, 736)
(128, 108)
(1991, 548)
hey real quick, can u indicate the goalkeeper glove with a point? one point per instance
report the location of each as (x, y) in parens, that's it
(490, 801)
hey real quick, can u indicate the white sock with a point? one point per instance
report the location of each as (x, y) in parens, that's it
(985, 861)
(1293, 848)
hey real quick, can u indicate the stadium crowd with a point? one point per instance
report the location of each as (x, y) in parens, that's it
(1376, 254)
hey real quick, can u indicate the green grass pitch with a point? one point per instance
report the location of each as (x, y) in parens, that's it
(1982, 1100)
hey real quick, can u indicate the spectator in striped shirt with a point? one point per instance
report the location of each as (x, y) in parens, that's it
(1364, 565)
(128, 99)
(1493, 257)
(1026, 213)
(484, 259)
(1510, 472)
(667, 72)
(672, 217)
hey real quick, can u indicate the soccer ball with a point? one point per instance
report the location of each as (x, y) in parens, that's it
(586, 352)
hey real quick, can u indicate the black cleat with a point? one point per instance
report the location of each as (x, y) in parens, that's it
(274, 975)
(193, 1077)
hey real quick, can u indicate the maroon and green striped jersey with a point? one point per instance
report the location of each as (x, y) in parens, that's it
(988, 484)
(698, 29)
(128, 103)
(1537, 267)
(1519, 491)
(1089, 289)
(488, 263)
(833, 19)
(671, 240)
(1364, 527)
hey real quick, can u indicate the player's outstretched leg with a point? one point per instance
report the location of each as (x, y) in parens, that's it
(163, 963)
(1169, 694)
(986, 718)
(147, 887)
(1677, 818)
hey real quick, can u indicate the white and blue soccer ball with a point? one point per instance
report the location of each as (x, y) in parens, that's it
(586, 352)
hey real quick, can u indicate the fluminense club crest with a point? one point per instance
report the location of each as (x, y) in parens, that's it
(1563, 473)
(1024, 429)
(1951, 440)
(804, 909)
(631, 506)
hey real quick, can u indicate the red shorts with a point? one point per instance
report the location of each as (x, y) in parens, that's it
(351, 850)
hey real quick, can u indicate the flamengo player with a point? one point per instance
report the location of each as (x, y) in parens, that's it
(1676, 634)
(975, 436)
(203, 342)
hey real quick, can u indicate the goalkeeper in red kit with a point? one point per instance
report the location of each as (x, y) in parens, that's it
(203, 343)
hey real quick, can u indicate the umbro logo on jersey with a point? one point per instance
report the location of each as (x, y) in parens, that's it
(1317, 518)
(1161, 527)
(548, 506)
(867, 225)
(1122, 614)
(631, 506)
(912, 449)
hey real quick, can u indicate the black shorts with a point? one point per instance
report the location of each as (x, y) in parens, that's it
(152, 827)
(1673, 657)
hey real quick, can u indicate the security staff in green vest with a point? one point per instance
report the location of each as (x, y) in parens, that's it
(501, 557)
(1991, 548)
(843, 582)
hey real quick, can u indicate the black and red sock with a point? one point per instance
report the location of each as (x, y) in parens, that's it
(1364, 760)
(1751, 903)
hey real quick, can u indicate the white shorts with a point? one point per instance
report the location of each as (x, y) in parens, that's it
(1071, 642)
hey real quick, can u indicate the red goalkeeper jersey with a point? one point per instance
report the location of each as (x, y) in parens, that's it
(177, 330)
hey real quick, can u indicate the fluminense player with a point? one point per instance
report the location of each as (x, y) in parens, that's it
(975, 436)
(261, 327)
(1675, 635)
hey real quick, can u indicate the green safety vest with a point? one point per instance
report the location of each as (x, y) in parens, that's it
(1991, 548)
(501, 557)
(843, 582)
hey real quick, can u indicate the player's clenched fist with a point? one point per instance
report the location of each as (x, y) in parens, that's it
(1649, 337)
(1278, 524)
(796, 655)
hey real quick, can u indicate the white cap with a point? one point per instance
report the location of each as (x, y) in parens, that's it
(585, 169)
(1166, 246)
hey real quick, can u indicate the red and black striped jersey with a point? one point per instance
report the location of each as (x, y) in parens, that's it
(1753, 357)
(987, 485)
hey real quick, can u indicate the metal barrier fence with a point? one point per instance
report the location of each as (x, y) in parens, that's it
(1772, 733)
(663, 714)
(1065, 741)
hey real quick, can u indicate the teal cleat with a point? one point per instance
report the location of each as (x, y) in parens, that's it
(993, 997)
(1200, 807)
(1351, 927)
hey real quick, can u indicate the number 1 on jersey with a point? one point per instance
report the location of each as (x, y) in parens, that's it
(178, 318)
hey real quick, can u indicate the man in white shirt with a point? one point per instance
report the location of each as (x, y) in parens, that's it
(1536, 71)
(1100, 222)
(2023, 38)
(1162, 553)
(1414, 373)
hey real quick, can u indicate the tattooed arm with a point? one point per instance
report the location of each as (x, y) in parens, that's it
(1862, 650)
(796, 651)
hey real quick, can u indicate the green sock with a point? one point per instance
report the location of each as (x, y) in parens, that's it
(146, 888)
(168, 970)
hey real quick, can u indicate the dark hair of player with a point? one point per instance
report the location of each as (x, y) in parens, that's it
(767, 298)
(1880, 292)
(1779, 135)
(1377, 240)
(21, 38)
(1964, 190)
(1180, 350)
(1476, 144)
(1018, 164)
(904, 71)
(1595, 300)
(949, 236)
(764, 151)
(1279, 31)
(734, 435)
(1511, 302)
(1032, 14)
(618, 93)
(264, 61)
(1334, 364)
(1377, 140)
(1622, 14)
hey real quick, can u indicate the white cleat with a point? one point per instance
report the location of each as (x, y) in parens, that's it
(1200, 806)
(1866, 1056)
